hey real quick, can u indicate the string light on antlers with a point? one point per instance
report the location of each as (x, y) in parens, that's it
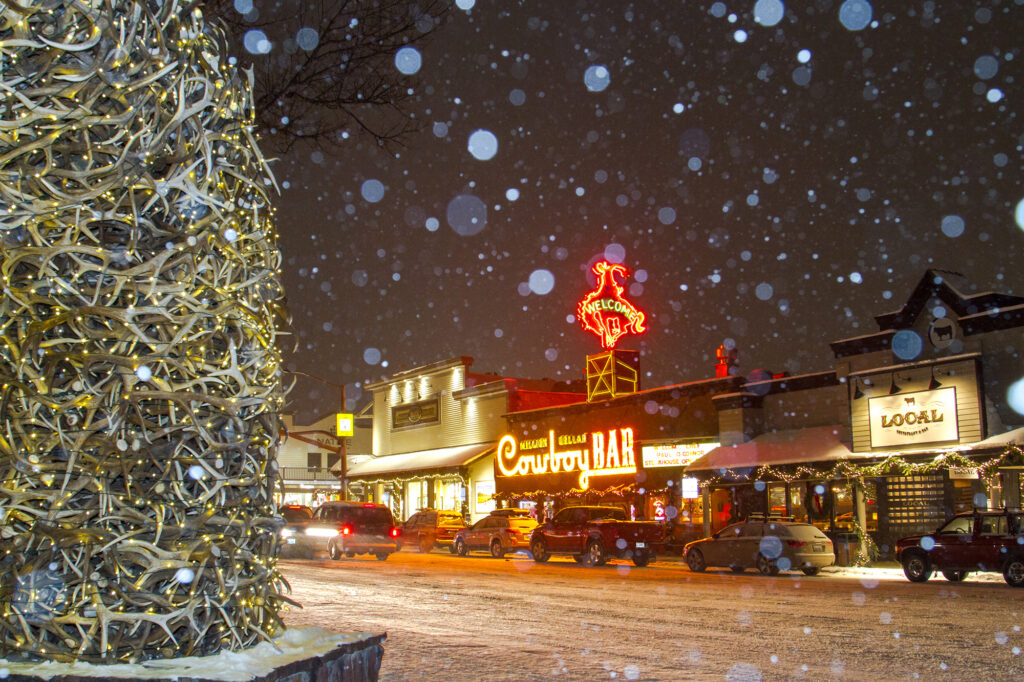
(139, 369)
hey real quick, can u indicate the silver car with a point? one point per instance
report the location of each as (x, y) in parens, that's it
(769, 545)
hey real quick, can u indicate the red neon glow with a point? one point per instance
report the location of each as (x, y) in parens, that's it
(604, 312)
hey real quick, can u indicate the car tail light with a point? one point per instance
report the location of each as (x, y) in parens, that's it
(795, 543)
(346, 530)
(395, 532)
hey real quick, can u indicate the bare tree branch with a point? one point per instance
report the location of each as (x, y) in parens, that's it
(326, 67)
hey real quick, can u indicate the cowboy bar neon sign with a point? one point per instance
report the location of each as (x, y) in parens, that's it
(610, 453)
(604, 312)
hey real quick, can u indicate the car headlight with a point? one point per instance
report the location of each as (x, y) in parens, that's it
(287, 532)
(322, 532)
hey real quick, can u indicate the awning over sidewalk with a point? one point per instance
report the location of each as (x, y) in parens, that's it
(439, 458)
(800, 446)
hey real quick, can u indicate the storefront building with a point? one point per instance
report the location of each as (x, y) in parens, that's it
(628, 449)
(435, 432)
(912, 426)
(308, 459)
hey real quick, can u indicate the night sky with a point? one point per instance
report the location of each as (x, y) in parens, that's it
(773, 175)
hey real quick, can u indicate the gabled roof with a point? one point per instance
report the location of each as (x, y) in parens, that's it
(975, 313)
(935, 285)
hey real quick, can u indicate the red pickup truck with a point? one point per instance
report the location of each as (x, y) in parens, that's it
(973, 541)
(593, 535)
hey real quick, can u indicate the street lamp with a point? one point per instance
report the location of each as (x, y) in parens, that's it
(343, 447)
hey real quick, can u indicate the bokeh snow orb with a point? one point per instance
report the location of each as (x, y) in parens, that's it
(596, 78)
(771, 546)
(440, 129)
(465, 5)
(855, 15)
(541, 281)
(927, 543)
(769, 12)
(615, 253)
(517, 97)
(740, 36)
(764, 291)
(408, 60)
(952, 226)
(512, 194)
(372, 190)
(907, 344)
(803, 56)
(483, 145)
(371, 356)
(467, 215)
(1018, 214)
(307, 38)
(551, 354)
(185, 575)
(1015, 396)
(255, 42)
(994, 95)
(666, 215)
(432, 224)
(986, 67)
(243, 6)
(195, 472)
(144, 373)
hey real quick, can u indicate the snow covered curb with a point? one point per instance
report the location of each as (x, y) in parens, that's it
(293, 646)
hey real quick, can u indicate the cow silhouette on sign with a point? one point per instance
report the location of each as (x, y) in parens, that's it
(605, 312)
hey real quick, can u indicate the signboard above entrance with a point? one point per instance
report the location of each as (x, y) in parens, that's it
(610, 452)
(913, 418)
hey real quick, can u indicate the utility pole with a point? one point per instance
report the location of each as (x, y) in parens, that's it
(342, 440)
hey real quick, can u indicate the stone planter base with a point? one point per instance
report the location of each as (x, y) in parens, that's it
(306, 655)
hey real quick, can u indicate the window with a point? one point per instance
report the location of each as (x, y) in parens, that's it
(313, 460)
(959, 525)
(332, 459)
(994, 525)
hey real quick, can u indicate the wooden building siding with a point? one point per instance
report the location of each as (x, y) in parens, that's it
(824, 406)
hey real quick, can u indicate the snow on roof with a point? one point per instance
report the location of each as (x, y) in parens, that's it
(421, 459)
(814, 444)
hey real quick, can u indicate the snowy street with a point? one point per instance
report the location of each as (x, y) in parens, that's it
(450, 617)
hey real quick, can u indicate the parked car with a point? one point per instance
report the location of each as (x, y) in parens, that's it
(497, 533)
(429, 528)
(768, 544)
(349, 528)
(968, 542)
(593, 535)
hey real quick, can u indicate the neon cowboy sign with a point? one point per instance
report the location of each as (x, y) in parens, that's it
(610, 452)
(605, 312)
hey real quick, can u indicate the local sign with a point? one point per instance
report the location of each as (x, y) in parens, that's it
(677, 455)
(604, 312)
(913, 418)
(598, 453)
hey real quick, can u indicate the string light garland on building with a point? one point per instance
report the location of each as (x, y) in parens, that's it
(893, 465)
(139, 368)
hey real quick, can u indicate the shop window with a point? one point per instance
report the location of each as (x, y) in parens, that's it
(313, 460)
(332, 459)
(796, 502)
(416, 495)
(777, 499)
(449, 496)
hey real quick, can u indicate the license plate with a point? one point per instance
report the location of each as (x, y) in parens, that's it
(291, 541)
(641, 545)
(819, 548)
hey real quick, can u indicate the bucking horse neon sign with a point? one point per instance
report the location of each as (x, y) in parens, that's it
(604, 312)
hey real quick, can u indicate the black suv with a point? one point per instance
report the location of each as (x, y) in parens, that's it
(350, 528)
(429, 528)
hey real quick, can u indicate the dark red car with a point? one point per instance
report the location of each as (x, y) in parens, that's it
(972, 541)
(593, 535)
